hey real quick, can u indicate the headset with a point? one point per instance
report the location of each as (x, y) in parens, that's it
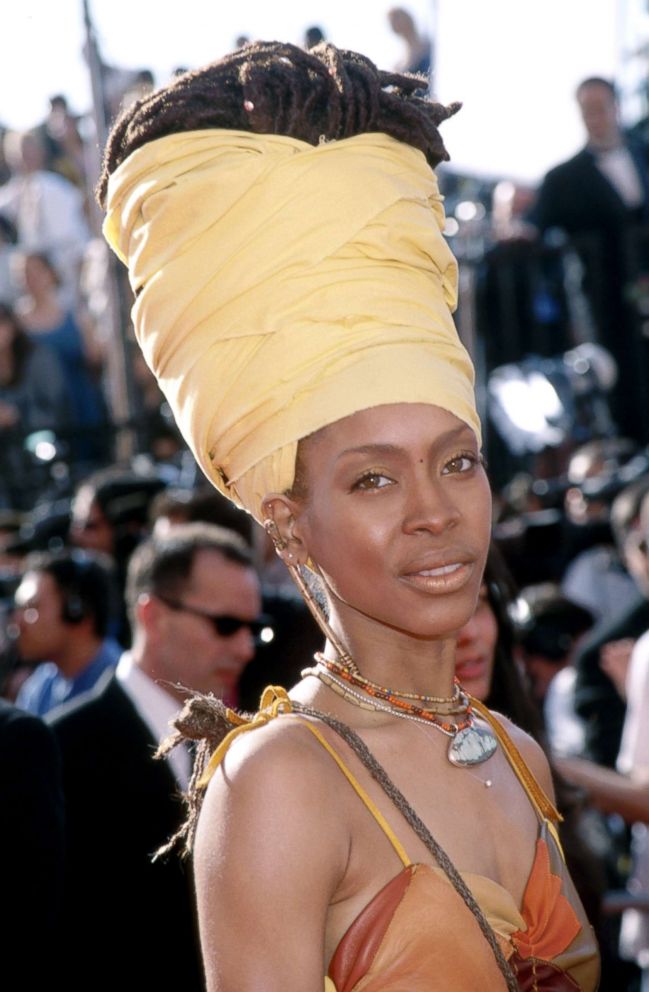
(74, 610)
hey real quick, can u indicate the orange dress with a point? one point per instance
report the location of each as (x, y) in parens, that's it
(418, 935)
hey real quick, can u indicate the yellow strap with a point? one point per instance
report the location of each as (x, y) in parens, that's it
(274, 701)
(536, 794)
(360, 792)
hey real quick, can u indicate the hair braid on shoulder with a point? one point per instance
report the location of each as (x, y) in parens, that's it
(276, 88)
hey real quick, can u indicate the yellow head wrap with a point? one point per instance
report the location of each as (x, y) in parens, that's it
(282, 286)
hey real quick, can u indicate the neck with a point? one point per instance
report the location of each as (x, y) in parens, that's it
(608, 143)
(395, 659)
(146, 658)
(77, 655)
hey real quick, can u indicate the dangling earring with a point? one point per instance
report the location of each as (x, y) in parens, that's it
(272, 530)
(314, 607)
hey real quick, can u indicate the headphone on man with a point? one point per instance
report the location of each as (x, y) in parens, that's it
(74, 607)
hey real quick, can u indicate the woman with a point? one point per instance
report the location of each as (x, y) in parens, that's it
(32, 397)
(283, 234)
(32, 391)
(72, 338)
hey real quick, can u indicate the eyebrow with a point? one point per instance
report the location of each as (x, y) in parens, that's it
(394, 449)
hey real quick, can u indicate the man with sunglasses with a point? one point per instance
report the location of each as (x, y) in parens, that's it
(194, 603)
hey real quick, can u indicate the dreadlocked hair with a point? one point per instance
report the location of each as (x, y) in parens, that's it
(205, 721)
(271, 87)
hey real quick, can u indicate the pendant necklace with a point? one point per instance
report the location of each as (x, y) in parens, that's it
(469, 744)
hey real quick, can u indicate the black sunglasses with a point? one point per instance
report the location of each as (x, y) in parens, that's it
(224, 626)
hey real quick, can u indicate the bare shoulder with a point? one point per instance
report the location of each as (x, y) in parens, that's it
(531, 752)
(278, 775)
(271, 848)
(281, 755)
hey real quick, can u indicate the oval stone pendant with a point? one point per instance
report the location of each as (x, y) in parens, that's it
(471, 746)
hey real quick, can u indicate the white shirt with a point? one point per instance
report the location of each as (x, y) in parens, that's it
(619, 168)
(157, 708)
(48, 213)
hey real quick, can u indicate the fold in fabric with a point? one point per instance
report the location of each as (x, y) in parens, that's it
(282, 286)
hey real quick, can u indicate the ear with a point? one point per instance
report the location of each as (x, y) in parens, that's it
(281, 523)
(146, 611)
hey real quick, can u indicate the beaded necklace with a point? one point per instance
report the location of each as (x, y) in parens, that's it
(469, 744)
(447, 705)
(345, 666)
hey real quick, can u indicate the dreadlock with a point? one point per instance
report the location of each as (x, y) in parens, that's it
(272, 87)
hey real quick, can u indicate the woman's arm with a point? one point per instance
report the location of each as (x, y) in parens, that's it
(608, 790)
(271, 849)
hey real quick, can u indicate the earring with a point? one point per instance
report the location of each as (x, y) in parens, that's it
(314, 607)
(272, 530)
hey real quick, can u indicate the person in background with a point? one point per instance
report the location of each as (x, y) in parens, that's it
(33, 391)
(549, 629)
(313, 36)
(193, 599)
(626, 793)
(62, 610)
(32, 837)
(69, 333)
(418, 57)
(596, 576)
(63, 144)
(597, 198)
(488, 667)
(47, 210)
(548, 634)
(33, 395)
(110, 513)
(597, 702)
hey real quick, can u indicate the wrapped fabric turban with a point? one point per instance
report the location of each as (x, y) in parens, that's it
(282, 286)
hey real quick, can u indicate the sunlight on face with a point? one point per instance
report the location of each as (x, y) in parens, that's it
(396, 514)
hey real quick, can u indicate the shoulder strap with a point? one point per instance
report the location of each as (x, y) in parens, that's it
(544, 808)
(360, 792)
(380, 776)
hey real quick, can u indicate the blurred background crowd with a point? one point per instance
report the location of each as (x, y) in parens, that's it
(116, 557)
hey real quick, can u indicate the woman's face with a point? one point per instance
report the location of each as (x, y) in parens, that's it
(476, 647)
(397, 515)
(37, 275)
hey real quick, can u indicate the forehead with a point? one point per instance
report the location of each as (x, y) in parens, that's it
(408, 426)
(223, 585)
(595, 94)
(35, 586)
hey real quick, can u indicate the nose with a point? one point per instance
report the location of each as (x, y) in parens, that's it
(429, 507)
(243, 645)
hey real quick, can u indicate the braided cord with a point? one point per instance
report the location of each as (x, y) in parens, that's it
(380, 776)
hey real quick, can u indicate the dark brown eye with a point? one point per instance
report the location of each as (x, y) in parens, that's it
(373, 480)
(461, 463)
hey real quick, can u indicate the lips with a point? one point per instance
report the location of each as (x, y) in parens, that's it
(439, 562)
(470, 669)
(437, 574)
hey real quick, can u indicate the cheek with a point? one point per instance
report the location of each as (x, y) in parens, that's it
(489, 631)
(347, 542)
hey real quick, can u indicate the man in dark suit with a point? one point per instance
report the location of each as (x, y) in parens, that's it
(600, 199)
(193, 599)
(31, 837)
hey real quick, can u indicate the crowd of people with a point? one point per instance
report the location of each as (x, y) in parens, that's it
(126, 585)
